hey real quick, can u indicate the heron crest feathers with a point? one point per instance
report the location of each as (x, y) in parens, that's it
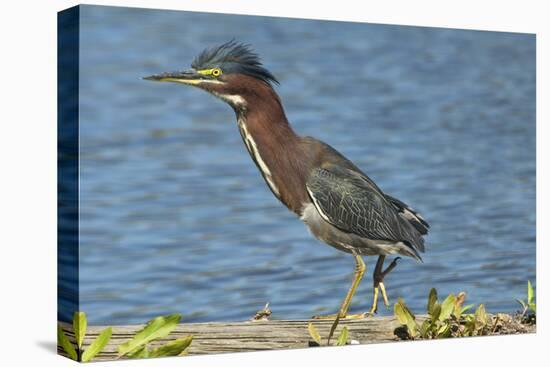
(234, 57)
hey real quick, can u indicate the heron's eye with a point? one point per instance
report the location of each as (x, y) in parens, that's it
(216, 72)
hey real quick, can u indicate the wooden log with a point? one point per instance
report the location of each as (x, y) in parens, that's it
(213, 338)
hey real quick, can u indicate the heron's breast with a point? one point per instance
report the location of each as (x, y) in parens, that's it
(323, 230)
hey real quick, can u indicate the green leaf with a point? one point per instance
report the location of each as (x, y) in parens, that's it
(400, 312)
(141, 352)
(447, 307)
(436, 312)
(413, 328)
(530, 293)
(443, 331)
(425, 328)
(457, 310)
(156, 328)
(432, 300)
(344, 336)
(408, 312)
(481, 315)
(405, 316)
(533, 307)
(79, 327)
(65, 343)
(470, 327)
(173, 348)
(522, 303)
(97, 345)
(314, 333)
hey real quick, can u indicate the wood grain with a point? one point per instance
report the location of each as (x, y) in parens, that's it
(213, 338)
(210, 338)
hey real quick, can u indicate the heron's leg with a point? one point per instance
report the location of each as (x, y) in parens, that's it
(378, 282)
(357, 275)
(359, 271)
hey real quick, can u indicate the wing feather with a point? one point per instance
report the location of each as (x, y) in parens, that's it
(350, 201)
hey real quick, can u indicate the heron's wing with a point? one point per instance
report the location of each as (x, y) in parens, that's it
(350, 201)
(410, 214)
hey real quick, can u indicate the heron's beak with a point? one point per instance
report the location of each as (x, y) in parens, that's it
(189, 76)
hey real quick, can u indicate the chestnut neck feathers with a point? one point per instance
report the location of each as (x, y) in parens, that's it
(276, 149)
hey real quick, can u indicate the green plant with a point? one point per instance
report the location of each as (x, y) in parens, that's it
(342, 339)
(79, 328)
(528, 306)
(445, 319)
(406, 318)
(137, 347)
(479, 323)
(159, 327)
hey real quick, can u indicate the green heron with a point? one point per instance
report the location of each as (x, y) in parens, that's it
(339, 203)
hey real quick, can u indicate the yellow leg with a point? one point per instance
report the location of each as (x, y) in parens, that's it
(357, 276)
(378, 282)
(384, 295)
(359, 271)
(374, 300)
(378, 286)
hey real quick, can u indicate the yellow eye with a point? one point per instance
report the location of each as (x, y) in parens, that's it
(216, 72)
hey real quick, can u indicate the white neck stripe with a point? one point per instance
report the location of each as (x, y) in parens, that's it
(253, 150)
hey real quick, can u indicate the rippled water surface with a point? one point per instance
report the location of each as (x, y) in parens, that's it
(176, 218)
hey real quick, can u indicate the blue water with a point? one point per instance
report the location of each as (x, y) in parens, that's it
(176, 218)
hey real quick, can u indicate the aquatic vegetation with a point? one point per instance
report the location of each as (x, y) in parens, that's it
(137, 347)
(159, 327)
(450, 319)
(446, 319)
(79, 328)
(529, 307)
(342, 339)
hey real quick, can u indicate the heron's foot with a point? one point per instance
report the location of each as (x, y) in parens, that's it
(378, 288)
(378, 285)
(346, 317)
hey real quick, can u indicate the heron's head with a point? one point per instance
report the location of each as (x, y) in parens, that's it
(231, 71)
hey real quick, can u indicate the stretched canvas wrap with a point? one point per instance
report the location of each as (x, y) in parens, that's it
(233, 183)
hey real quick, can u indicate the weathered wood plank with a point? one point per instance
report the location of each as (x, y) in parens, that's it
(209, 338)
